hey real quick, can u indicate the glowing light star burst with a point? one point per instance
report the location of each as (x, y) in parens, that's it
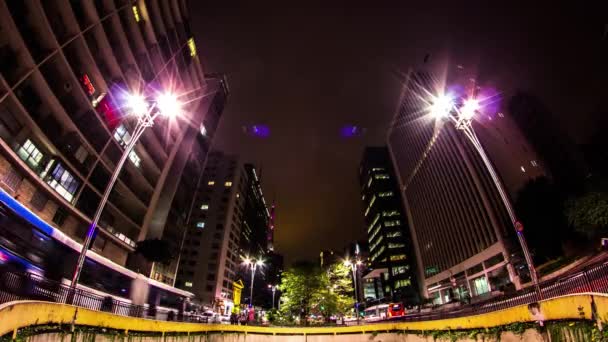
(469, 108)
(441, 106)
(137, 104)
(168, 104)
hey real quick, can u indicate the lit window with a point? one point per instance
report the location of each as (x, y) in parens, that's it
(122, 135)
(397, 257)
(188, 284)
(390, 213)
(534, 163)
(369, 182)
(136, 14)
(373, 223)
(81, 154)
(203, 130)
(204, 207)
(392, 223)
(378, 169)
(134, 158)
(523, 169)
(402, 283)
(393, 234)
(381, 176)
(63, 182)
(395, 245)
(200, 225)
(238, 195)
(30, 153)
(385, 194)
(211, 183)
(192, 47)
(228, 184)
(399, 270)
(501, 115)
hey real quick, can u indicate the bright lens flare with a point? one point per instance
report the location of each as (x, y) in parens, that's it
(441, 107)
(469, 108)
(260, 263)
(347, 263)
(137, 104)
(168, 105)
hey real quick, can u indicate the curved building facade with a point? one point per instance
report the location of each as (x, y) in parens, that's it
(460, 228)
(66, 68)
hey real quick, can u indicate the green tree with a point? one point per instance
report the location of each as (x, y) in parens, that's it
(588, 213)
(307, 289)
(300, 287)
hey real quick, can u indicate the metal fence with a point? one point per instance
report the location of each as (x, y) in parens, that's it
(23, 286)
(591, 279)
(27, 286)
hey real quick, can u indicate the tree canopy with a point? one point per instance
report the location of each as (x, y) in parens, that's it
(588, 213)
(309, 289)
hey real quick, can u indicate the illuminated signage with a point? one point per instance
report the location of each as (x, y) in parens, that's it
(88, 86)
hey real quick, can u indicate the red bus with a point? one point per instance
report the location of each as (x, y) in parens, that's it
(395, 310)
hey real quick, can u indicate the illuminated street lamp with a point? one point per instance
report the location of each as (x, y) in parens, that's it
(253, 265)
(146, 112)
(273, 288)
(354, 266)
(444, 108)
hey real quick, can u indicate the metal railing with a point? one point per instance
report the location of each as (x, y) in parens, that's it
(591, 279)
(25, 286)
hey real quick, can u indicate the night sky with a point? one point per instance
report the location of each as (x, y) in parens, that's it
(305, 72)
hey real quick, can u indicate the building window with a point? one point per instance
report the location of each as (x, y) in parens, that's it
(395, 245)
(390, 213)
(399, 270)
(393, 234)
(137, 19)
(523, 169)
(402, 283)
(534, 163)
(192, 47)
(188, 284)
(39, 200)
(134, 158)
(205, 207)
(392, 223)
(60, 215)
(381, 176)
(228, 184)
(63, 182)
(12, 179)
(397, 257)
(377, 169)
(30, 154)
(203, 130)
(122, 135)
(200, 224)
(81, 154)
(385, 194)
(211, 183)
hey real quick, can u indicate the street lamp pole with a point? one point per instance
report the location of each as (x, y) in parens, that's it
(273, 288)
(462, 119)
(253, 264)
(353, 267)
(146, 116)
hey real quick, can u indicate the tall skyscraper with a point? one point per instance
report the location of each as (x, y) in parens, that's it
(67, 68)
(183, 205)
(210, 257)
(461, 232)
(387, 227)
